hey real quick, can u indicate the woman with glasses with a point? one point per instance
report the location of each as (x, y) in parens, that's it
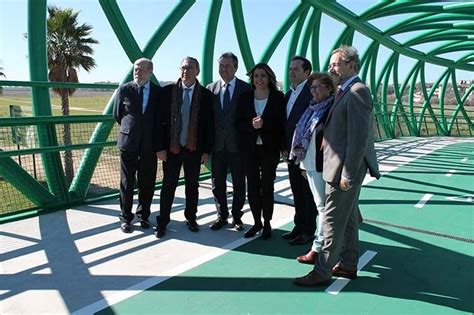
(306, 149)
(260, 121)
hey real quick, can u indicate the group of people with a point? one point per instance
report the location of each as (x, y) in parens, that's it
(324, 133)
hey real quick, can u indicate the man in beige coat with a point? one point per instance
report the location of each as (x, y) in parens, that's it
(348, 146)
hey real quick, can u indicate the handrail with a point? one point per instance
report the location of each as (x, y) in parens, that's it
(105, 86)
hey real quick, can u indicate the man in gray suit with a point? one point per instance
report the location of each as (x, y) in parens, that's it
(348, 146)
(226, 154)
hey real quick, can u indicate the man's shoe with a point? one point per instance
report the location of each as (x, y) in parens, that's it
(311, 280)
(145, 224)
(218, 224)
(238, 224)
(253, 230)
(310, 258)
(301, 239)
(192, 226)
(160, 232)
(126, 227)
(337, 271)
(290, 235)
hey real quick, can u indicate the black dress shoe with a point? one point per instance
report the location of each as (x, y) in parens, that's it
(311, 280)
(145, 224)
(160, 232)
(267, 231)
(253, 230)
(290, 235)
(126, 227)
(337, 271)
(238, 224)
(301, 239)
(218, 224)
(192, 226)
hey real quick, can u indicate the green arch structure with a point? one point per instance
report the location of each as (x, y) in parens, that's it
(449, 25)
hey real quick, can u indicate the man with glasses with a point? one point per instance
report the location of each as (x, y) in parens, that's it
(136, 110)
(187, 139)
(348, 147)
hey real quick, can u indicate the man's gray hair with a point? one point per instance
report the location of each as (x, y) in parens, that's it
(194, 60)
(231, 55)
(146, 61)
(349, 54)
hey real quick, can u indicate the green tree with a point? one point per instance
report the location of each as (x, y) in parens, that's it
(69, 48)
(2, 74)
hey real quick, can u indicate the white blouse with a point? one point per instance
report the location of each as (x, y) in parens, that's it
(259, 108)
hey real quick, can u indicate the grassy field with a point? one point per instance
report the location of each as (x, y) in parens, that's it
(83, 103)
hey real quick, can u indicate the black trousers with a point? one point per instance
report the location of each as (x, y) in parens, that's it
(261, 173)
(221, 162)
(191, 162)
(140, 168)
(305, 208)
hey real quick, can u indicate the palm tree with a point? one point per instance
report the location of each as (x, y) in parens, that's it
(68, 50)
(2, 74)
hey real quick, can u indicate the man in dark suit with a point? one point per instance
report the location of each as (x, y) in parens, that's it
(187, 138)
(348, 146)
(297, 100)
(226, 154)
(135, 110)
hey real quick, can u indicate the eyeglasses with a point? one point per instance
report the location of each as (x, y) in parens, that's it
(335, 64)
(184, 68)
(318, 86)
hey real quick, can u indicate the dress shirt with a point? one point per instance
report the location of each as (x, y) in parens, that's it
(346, 83)
(295, 92)
(231, 88)
(190, 92)
(146, 95)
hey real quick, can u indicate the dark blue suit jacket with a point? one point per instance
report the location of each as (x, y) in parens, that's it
(138, 130)
(302, 102)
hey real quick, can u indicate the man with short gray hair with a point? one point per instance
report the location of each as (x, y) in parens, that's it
(348, 147)
(136, 111)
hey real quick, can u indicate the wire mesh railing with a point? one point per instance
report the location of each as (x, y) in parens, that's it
(23, 179)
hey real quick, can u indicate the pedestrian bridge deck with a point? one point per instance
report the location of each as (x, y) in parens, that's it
(416, 240)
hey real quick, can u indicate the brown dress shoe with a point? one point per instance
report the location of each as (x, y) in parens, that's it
(311, 280)
(310, 258)
(337, 271)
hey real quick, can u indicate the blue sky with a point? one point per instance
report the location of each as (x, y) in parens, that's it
(262, 18)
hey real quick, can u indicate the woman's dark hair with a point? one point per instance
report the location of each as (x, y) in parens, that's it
(325, 79)
(271, 75)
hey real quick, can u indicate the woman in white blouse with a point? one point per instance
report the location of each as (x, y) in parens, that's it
(260, 119)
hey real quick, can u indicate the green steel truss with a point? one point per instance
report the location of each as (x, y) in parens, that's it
(448, 24)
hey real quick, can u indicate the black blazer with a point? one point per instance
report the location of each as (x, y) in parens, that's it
(137, 131)
(302, 102)
(205, 133)
(225, 131)
(272, 131)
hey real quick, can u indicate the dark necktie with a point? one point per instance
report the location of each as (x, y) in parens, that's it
(140, 98)
(339, 94)
(185, 113)
(226, 102)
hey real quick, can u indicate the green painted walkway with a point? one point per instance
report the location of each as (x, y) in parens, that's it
(424, 262)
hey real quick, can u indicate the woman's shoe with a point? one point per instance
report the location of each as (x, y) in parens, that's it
(253, 230)
(267, 231)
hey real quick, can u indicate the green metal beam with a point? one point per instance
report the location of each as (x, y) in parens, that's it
(340, 13)
(37, 55)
